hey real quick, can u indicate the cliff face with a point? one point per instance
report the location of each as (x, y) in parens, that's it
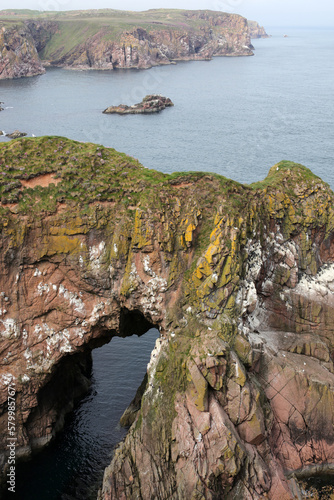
(18, 53)
(116, 39)
(239, 397)
(257, 31)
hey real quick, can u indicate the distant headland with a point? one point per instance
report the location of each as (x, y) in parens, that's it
(108, 39)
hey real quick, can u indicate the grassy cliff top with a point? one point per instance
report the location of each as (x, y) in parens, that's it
(161, 15)
(150, 19)
(37, 173)
(41, 174)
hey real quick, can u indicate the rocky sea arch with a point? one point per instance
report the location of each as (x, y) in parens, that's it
(237, 278)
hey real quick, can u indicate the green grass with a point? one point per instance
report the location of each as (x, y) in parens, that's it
(70, 35)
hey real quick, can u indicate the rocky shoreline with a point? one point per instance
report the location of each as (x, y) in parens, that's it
(14, 135)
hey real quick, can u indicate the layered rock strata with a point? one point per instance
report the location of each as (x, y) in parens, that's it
(150, 104)
(239, 279)
(117, 39)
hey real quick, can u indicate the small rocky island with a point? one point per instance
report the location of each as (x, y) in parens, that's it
(16, 134)
(150, 104)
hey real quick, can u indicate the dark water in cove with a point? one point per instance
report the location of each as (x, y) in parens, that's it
(233, 116)
(73, 465)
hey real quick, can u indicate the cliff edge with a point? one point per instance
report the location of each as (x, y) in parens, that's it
(238, 279)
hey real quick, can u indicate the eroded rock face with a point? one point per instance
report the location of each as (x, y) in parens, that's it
(239, 393)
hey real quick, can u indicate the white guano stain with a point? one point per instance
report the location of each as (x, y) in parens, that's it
(11, 328)
(96, 254)
(43, 288)
(73, 299)
(7, 378)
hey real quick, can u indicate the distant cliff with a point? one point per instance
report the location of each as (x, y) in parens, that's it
(109, 39)
(257, 31)
(239, 280)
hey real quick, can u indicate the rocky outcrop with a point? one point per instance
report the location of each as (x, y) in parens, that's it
(150, 104)
(18, 53)
(119, 39)
(238, 401)
(257, 31)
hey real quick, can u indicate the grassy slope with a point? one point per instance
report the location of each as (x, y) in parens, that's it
(89, 173)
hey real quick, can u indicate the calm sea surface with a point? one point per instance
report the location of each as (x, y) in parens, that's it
(233, 116)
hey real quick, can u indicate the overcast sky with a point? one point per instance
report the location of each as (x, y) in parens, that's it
(266, 12)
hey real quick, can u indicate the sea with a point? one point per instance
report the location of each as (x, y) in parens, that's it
(234, 116)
